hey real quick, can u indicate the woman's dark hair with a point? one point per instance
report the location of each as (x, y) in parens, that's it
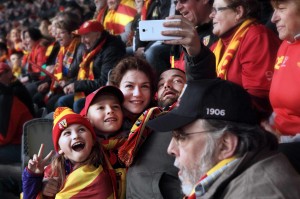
(132, 63)
(252, 7)
(34, 33)
(68, 21)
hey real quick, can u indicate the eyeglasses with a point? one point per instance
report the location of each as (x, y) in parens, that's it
(215, 10)
(181, 136)
(180, 1)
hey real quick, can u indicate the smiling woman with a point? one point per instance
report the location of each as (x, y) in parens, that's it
(246, 50)
(285, 104)
(135, 78)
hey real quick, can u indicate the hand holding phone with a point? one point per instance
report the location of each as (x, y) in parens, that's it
(150, 30)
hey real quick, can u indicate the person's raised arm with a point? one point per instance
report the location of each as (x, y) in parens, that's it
(200, 61)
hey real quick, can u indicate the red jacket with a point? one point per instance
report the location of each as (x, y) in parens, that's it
(252, 66)
(19, 114)
(284, 93)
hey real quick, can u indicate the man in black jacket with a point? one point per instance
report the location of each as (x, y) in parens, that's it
(103, 52)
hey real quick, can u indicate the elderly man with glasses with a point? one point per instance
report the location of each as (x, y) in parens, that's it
(219, 147)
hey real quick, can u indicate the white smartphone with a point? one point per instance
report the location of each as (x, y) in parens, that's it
(150, 30)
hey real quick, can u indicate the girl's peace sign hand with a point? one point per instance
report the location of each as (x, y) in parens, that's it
(37, 163)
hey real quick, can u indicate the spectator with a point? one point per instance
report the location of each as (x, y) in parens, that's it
(44, 28)
(65, 67)
(253, 72)
(14, 42)
(103, 52)
(197, 12)
(237, 19)
(144, 153)
(104, 110)
(284, 93)
(135, 78)
(286, 122)
(35, 46)
(140, 156)
(16, 87)
(219, 147)
(13, 114)
(79, 164)
(15, 60)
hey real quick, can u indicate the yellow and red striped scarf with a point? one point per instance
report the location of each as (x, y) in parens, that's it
(145, 9)
(211, 171)
(65, 57)
(85, 182)
(116, 20)
(49, 50)
(111, 146)
(101, 14)
(86, 68)
(138, 134)
(223, 62)
(75, 187)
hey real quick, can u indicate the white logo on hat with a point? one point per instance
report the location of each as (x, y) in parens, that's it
(62, 124)
(215, 111)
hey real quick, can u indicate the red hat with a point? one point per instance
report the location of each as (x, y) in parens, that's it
(89, 26)
(4, 67)
(63, 118)
(104, 89)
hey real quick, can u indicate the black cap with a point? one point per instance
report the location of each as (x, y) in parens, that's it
(208, 99)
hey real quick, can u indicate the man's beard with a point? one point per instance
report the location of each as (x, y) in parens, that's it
(189, 177)
(167, 102)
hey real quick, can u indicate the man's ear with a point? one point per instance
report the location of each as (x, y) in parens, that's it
(227, 146)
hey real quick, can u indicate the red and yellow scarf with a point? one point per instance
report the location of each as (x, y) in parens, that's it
(29, 60)
(86, 68)
(101, 14)
(213, 171)
(223, 61)
(145, 9)
(138, 134)
(111, 147)
(65, 57)
(85, 182)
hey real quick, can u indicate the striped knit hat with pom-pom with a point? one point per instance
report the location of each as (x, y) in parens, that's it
(63, 118)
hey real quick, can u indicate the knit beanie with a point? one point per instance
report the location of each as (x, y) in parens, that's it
(63, 118)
